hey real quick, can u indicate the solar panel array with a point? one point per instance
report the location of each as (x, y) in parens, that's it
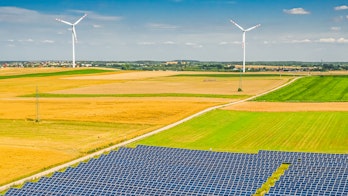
(147, 170)
(312, 174)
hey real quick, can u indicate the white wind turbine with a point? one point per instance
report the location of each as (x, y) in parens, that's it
(243, 43)
(74, 37)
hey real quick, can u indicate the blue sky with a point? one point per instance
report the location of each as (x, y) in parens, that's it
(299, 30)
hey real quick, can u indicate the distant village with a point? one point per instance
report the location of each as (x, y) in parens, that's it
(188, 65)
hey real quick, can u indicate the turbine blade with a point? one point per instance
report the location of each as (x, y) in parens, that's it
(74, 33)
(241, 28)
(80, 19)
(251, 28)
(63, 21)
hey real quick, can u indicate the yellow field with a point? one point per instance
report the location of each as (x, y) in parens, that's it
(16, 161)
(289, 107)
(18, 71)
(116, 110)
(72, 127)
(195, 85)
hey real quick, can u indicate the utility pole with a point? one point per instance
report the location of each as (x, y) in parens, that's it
(37, 105)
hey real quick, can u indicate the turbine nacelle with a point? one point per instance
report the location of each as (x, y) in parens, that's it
(72, 25)
(245, 30)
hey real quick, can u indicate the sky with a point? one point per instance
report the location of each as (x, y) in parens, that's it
(165, 30)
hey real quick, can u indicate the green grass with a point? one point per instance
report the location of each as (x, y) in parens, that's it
(312, 89)
(50, 95)
(235, 131)
(60, 73)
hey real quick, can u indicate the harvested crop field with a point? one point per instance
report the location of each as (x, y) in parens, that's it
(288, 107)
(10, 158)
(116, 110)
(28, 147)
(181, 84)
(72, 127)
(19, 71)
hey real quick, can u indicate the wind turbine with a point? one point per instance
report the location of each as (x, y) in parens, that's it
(243, 43)
(74, 37)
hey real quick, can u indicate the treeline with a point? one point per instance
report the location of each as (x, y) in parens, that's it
(228, 66)
(191, 65)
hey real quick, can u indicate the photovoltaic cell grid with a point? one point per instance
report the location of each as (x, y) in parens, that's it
(148, 170)
(312, 174)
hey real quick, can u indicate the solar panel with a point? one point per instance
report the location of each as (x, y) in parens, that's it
(148, 170)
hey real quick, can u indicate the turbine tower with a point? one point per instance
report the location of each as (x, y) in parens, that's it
(74, 37)
(243, 42)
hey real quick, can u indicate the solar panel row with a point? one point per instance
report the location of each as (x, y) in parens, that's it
(313, 174)
(148, 170)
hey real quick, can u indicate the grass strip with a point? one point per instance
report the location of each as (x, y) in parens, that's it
(50, 95)
(264, 189)
(60, 73)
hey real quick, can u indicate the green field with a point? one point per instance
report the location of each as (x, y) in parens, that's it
(312, 89)
(234, 131)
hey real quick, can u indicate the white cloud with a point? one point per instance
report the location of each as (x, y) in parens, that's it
(335, 28)
(230, 43)
(342, 7)
(333, 40)
(301, 41)
(47, 41)
(169, 42)
(342, 40)
(26, 40)
(161, 26)
(95, 16)
(18, 15)
(146, 43)
(223, 43)
(96, 26)
(194, 45)
(190, 44)
(327, 40)
(296, 11)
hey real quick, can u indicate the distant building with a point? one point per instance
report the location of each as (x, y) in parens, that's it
(171, 62)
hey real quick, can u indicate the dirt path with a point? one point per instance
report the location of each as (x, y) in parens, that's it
(90, 156)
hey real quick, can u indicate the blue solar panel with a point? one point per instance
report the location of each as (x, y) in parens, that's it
(148, 170)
